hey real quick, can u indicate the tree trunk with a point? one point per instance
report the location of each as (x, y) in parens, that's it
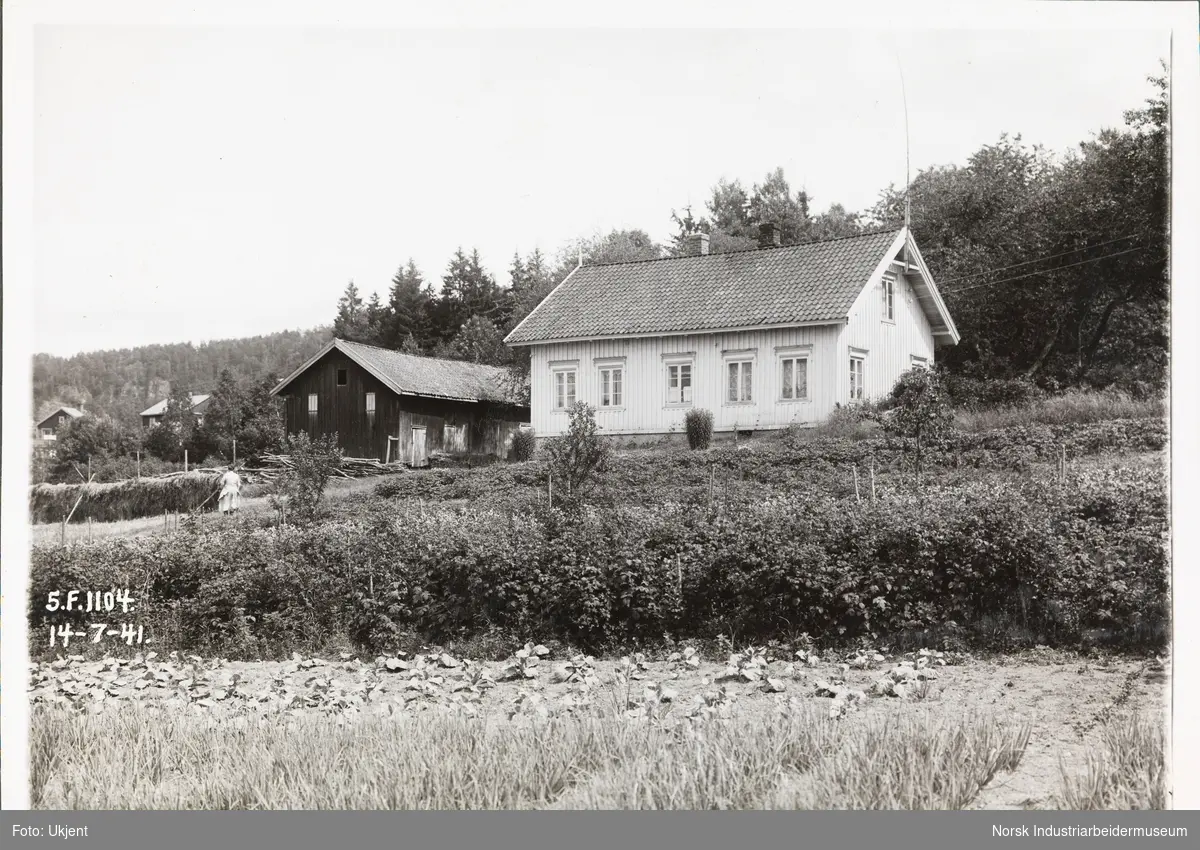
(1043, 354)
(1087, 355)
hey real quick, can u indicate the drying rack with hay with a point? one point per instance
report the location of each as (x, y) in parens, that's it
(173, 492)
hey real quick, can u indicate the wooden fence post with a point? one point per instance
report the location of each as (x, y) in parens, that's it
(139, 465)
(185, 461)
(712, 477)
(64, 529)
(856, 494)
(872, 480)
(550, 489)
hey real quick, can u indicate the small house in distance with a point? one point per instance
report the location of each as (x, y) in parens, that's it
(48, 428)
(152, 416)
(762, 338)
(400, 407)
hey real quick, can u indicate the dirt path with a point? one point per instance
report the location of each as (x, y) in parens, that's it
(1070, 702)
(79, 531)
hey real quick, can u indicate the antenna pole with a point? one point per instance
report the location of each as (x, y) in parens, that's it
(907, 160)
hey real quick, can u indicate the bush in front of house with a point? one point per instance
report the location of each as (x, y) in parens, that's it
(580, 457)
(313, 463)
(699, 424)
(524, 444)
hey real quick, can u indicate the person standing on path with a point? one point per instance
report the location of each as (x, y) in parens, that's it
(231, 488)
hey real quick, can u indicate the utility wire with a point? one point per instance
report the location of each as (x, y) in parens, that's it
(1045, 271)
(1040, 259)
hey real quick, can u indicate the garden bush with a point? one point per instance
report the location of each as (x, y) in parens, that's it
(524, 444)
(699, 425)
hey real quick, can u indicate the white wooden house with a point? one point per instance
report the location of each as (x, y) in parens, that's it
(762, 338)
(153, 415)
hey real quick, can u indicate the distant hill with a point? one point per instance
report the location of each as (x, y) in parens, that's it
(123, 383)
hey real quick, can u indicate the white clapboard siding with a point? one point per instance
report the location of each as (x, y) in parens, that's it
(644, 408)
(889, 346)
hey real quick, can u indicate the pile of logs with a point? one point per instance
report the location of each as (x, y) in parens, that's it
(270, 467)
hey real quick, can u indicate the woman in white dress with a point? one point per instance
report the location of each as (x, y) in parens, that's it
(230, 498)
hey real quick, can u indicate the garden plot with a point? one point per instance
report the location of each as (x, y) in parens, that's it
(576, 732)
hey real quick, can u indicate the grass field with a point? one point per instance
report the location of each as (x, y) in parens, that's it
(1041, 730)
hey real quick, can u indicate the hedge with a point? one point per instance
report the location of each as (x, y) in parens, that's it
(1047, 561)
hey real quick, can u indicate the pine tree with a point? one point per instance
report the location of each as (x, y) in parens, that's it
(467, 290)
(410, 303)
(351, 322)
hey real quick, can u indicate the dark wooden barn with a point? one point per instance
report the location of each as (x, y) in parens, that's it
(392, 406)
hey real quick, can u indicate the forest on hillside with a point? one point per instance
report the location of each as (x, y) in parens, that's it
(1053, 265)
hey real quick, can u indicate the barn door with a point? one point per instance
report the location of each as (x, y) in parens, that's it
(418, 447)
(454, 438)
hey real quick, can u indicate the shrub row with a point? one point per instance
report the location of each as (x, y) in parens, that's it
(651, 476)
(1052, 561)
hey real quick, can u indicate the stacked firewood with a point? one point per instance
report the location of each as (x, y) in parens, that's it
(270, 467)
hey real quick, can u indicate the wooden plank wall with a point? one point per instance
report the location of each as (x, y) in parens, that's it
(342, 409)
(890, 346)
(645, 409)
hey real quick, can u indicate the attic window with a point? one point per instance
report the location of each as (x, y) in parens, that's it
(341, 378)
(889, 298)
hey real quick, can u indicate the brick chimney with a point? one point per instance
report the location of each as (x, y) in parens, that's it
(695, 244)
(768, 235)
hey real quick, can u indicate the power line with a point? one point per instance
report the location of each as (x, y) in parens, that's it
(1045, 271)
(1041, 259)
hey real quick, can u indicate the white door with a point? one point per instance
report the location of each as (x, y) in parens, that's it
(418, 447)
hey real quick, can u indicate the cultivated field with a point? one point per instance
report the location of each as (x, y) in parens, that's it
(1038, 730)
(818, 630)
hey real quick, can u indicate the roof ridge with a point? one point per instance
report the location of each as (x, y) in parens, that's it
(877, 232)
(417, 356)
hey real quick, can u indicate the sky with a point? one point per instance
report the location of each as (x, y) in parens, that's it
(195, 183)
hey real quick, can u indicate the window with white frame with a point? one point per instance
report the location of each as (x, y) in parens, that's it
(916, 362)
(370, 402)
(47, 432)
(612, 385)
(62, 420)
(856, 377)
(679, 383)
(739, 381)
(889, 298)
(564, 388)
(794, 378)
(312, 404)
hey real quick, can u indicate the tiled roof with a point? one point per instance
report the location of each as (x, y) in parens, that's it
(425, 376)
(814, 282)
(161, 407)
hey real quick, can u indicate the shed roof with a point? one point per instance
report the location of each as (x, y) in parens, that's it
(410, 374)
